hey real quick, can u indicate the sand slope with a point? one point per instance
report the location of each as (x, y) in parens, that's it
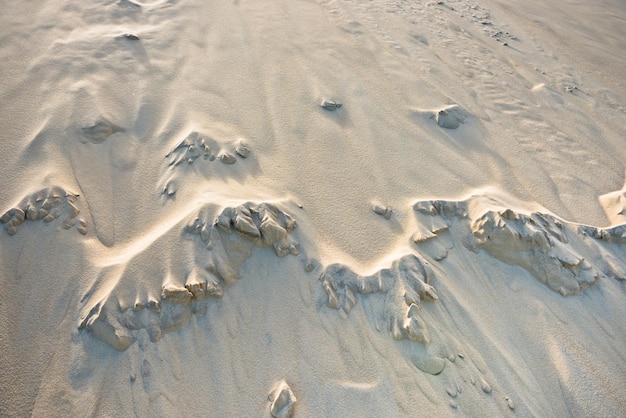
(313, 208)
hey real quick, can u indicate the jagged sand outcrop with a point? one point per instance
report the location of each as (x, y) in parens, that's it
(215, 247)
(566, 257)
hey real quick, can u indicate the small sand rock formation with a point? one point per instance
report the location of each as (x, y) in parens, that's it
(510, 403)
(128, 4)
(227, 158)
(47, 205)
(450, 117)
(404, 286)
(397, 292)
(538, 243)
(195, 146)
(282, 400)
(99, 131)
(614, 205)
(384, 211)
(242, 150)
(484, 385)
(614, 234)
(214, 248)
(192, 147)
(428, 228)
(263, 224)
(559, 254)
(330, 105)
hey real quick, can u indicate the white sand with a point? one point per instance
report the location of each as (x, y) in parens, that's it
(313, 209)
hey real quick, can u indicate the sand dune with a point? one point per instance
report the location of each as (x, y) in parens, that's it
(313, 208)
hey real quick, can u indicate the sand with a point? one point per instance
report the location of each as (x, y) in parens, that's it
(313, 208)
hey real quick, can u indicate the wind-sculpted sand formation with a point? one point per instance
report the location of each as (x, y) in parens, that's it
(566, 257)
(206, 250)
(614, 205)
(404, 285)
(282, 400)
(195, 146)
(99, 131)
(312, 208)
(213, 250)
(450, 117)
(47, 205)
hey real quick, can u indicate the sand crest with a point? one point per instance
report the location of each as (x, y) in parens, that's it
(312, 208)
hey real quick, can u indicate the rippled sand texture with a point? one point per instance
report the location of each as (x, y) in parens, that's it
(312, 208)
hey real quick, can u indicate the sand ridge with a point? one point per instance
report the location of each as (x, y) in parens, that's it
(115, 310)
(327, 208)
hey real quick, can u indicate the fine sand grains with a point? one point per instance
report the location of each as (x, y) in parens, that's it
(454, 168)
